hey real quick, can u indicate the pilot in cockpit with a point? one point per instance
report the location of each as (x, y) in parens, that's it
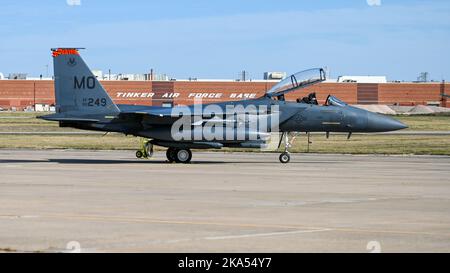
(310, 99)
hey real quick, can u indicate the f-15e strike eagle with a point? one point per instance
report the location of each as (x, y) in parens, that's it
(82, 102)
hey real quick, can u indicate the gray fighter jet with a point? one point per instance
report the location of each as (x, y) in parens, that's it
(82, 102)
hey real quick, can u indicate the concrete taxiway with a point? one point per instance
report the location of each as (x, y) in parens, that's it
(223, 202)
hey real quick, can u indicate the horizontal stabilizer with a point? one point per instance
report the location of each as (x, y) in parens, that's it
(70, 119)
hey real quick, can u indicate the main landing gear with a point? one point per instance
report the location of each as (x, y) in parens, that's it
(179, 155)
(173, 154)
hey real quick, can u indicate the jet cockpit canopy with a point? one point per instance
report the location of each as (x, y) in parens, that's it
(297, 81)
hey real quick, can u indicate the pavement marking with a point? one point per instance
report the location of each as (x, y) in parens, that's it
(144, 245)
(18, 216)
(161, 221)
(15, 166)
(270, 234)
(242, 225)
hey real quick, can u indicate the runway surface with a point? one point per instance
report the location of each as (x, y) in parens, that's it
(223, 202)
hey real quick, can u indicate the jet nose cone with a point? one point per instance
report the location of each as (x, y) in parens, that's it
(380, 123)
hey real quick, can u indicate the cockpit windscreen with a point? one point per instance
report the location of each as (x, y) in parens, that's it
(297, 80)
(332, 100)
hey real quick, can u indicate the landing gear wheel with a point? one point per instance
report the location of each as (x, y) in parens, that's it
(148, 148)
(139, 154)
(171, 155)
(183, 156)
(285, 158)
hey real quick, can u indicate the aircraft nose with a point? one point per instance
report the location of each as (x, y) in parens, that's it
(381, 123)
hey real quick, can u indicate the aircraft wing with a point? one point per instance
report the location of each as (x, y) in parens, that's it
(159, 115)
(167, 116)
(297, 81)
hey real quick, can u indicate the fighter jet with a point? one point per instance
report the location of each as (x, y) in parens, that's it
(82, 102)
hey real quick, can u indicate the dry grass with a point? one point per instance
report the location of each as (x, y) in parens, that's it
(427, 122)
(108, 142)
(375, 144)
(379, 144)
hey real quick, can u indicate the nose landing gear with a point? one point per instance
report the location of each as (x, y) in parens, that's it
(285, 157)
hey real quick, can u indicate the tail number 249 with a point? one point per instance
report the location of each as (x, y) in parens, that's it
(92, 102)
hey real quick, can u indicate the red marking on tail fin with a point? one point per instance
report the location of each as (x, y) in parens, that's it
(64, 51)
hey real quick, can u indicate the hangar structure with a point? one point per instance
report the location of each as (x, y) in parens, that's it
(21, 94)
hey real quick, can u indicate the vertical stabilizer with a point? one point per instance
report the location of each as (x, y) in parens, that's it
(77, 90)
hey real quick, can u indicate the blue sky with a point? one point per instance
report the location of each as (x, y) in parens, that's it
(217, 39)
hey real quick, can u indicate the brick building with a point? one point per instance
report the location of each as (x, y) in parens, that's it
(21, 94)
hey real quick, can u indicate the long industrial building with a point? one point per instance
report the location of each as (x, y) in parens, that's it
(23, 94)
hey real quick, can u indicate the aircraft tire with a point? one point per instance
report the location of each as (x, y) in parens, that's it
(171, 154)
(183, 156)
(285, 158)
(139, 154)
(148, 149)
